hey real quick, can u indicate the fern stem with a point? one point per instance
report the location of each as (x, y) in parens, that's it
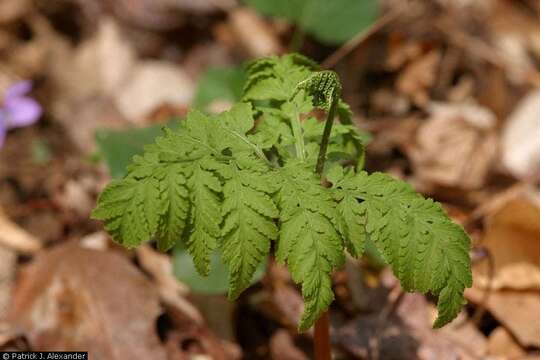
(298, 136)
(326, 137)
(323, 350)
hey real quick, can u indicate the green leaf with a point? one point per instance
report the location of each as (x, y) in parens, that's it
(427, 251)
(223, 84)
(332, 22)
(309, 241)
(217, 281)
(248, 226)
(174, 196)
(233, 184)
(130, 209)
(276, 78)
(119, 146)
(282, 90)
(173, 191)
(205, 217)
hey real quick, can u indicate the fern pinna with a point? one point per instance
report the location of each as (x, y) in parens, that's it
(245, 179)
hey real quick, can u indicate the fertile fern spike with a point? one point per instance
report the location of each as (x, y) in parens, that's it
(223, 184)
(324, 86)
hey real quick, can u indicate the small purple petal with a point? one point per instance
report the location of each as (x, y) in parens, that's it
(21, 112)
(2, 131)
(18, 89)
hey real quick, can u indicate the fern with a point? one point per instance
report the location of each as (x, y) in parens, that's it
(426, 250)
(222, 183)
(309, 240)
(248, 226)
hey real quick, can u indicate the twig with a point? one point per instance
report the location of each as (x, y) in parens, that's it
(359, 38)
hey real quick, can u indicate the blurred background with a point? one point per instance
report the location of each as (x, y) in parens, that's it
(448, 89)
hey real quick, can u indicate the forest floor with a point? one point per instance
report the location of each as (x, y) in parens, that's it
(449, 90)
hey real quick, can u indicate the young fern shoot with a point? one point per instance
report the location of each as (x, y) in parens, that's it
(225, 183)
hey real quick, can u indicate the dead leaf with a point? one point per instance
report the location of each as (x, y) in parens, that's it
(458, 340)
(253, 33)
(517, 310)
(8, 262)
(171, 290)
(418, 77)
(456, 147)
(152, 84)
(463, 333)
(521, 139)
(512, 238)
(11, 10)
(501, 343)
(15, 237)
(72, 298)
(103, 82)
(515, 44)
(282, 347)
(96, 241)
(200, 5)
(76, 197)
(162, 15)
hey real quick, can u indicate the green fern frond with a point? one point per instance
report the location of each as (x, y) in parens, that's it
(248, 226)
(130, 209)
(233, 184)
(309, 241)
(427, 251)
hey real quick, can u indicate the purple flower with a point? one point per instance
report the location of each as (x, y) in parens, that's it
(17, 109)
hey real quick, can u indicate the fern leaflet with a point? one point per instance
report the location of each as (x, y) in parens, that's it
(426, 250)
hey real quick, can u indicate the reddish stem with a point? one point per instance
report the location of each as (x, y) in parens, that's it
(322, 338)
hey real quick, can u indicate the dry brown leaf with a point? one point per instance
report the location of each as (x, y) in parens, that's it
(105, 85)
(15, 237)
(160, 15)
(464, 334)
(96, 241)
(515, 35)
(76, 197)
(458, 340)
(519, 311)
(153, 83)
(456, 147)
(72, 298)
(501, 343)
(171, 290)
(103, 82)
(11, 10)
(418, 77)
(8, 261)
(521, 139)
(512, 238)
(282, 347)
(253, 33)
(401, 51)
(105, 65)
(200, 5)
